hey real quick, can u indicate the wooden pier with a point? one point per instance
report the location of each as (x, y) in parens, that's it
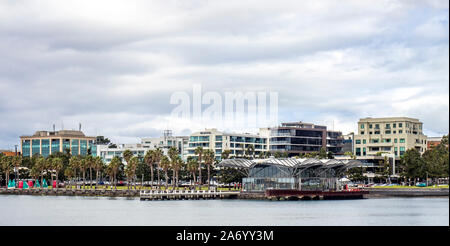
(187, 194)
(314, 195)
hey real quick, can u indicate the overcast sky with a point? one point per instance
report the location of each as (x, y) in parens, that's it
(113, 65)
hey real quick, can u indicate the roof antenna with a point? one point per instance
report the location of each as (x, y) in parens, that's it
(79, 127)
(54, 128)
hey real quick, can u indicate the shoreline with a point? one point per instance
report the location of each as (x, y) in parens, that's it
(372, 193)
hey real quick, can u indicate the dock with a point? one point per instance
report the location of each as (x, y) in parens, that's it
(187, 194)
(314, 195)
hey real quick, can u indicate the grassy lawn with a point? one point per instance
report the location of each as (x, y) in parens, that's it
(409, 187)
(145, 188)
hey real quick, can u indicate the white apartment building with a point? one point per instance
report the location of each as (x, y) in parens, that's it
(219, 141)
(140, 149)
(392, 135)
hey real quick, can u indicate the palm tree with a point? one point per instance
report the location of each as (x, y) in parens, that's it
(57, 165)
(225, 154)
(6, 162)
(176, 165)
(251, 151)
(165, 165)
(173, 154)
(192, 167)
(98, 166)
(41, 166)
(74, 163)
(158, 154)
(127, 154)
(199, 152)
(83, 164)
(90, 163)
(17, 161)
(149, 159)
(114, 168)
(209, 160)
(69, 173)
(133, 163)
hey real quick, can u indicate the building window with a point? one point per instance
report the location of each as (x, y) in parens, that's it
(362, 126)
(395, 140)
(402, 140)
(370, 126)
(364, 151)
(377, 126)
(45, 147)
(55, 145)
(388, 126)
(387, 132)
(402, 151)
(358, 151)
(364, 141)
(218, 138)
(400, 125)
(400, 131)
(362, 132)
(35, 147)
(377, 132)
(394, 125)
(358, 141)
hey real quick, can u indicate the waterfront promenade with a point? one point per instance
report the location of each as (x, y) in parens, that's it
(194, 194)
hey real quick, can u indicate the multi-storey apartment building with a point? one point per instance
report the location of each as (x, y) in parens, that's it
(107, 153)
(348, 142)
(45, 143)
(296, 138)
(392, 135)
(220, 141)
(166, 142)
(140, 149)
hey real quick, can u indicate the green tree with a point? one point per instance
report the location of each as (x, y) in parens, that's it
(322, 153)
(350, 154)
(413, 165)
(173, 154)
(7, 166)
(209, 160)
(165, 165)
(192, 166)
(157, 156)
(113, 167)
(57, 165)
(199, 151)
(225, 154)
(384, 168)
(127, 154)
(98, 166)
(149, 159)
(17, 162)
(251, 151)
(41, 165)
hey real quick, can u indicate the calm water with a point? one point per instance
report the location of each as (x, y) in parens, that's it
(36, 210)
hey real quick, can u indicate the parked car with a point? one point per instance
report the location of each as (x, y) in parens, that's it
(421, 184)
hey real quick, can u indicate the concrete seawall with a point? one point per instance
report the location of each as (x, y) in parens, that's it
(373, 193)
(405, 192)
(71, 192)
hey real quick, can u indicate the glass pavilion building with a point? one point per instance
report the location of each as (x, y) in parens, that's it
(291, 173)
(45, 143)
